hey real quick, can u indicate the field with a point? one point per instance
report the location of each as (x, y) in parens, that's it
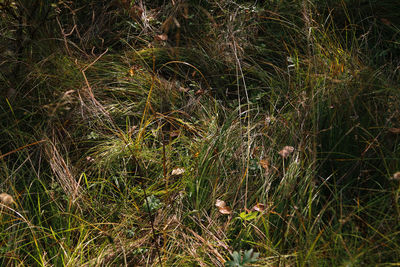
(200, 133)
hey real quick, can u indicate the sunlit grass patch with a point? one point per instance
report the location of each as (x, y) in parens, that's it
(202, 134)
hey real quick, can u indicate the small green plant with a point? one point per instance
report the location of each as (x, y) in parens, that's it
(248, 216)
(237, 260)
(153, 204)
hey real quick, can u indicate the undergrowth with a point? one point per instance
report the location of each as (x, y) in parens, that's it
(199, 133)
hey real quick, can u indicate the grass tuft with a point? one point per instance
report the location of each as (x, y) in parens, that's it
(199, 133)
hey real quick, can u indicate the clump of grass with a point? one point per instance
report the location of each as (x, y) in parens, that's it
(119, 157)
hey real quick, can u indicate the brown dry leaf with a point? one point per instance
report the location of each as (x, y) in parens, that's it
(265, 164)
(259, 207)
(220, 203)
(286, 151)
(225, 210)
(394, 130)
(6, 199)
(161, 37)
(177, 171)
(289, 148)
(222, 207)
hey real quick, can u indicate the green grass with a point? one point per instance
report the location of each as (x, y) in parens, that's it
(91, 139)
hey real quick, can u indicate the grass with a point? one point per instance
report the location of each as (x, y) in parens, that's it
(117, 151)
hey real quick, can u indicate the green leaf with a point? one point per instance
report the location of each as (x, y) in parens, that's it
(248, 216)
(248, 257)
(153, 204)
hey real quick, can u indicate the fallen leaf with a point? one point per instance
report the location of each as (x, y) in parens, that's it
(289, 148)
(222, 207)
(265, 164)
(259, 207)
(220, 203)
(177, 171)
(225, 210)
